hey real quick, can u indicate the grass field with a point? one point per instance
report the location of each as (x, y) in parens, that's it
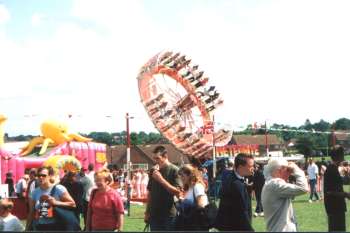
(347, 158)
(310, 216)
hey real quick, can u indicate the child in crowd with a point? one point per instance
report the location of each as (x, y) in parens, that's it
(8, 222)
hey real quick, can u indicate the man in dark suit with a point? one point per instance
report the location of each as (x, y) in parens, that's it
(235, 210)
(334, 195)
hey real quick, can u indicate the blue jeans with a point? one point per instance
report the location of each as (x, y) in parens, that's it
(313, 191)
(162, 224)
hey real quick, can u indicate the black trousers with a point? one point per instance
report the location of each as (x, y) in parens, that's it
(85, 210)
(259, 207)
(336, 222)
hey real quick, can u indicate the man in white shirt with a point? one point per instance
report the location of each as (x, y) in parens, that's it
(8, 222)
(91, 173)
(21, 186)
(312, 171)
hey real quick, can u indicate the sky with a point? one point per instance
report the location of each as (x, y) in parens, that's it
(275, 61)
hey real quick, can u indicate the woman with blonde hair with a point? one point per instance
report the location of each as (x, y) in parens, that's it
(106, 210)
(193, 200)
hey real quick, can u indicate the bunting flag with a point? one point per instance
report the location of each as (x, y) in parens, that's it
(255, 126)
(312, 131)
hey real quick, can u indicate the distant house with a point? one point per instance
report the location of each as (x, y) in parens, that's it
(343, 138)
(142, 156)
(275, 145)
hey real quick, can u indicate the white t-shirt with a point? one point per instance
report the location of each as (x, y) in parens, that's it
(198, 190)
(31, 188)
(145, 178)
(21, 185)
(91, 176)
(312, 171)
(138, 177)
(11, 223)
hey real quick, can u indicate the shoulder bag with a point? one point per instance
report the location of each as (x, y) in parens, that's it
(205, 217)
(65, 216)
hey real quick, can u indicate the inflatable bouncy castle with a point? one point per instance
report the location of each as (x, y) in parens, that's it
(55, 147)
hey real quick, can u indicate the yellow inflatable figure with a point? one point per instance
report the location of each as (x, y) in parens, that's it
(64, 162)
(2, 133)
(53, 133)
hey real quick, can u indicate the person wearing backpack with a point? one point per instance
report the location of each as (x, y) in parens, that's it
(42, 202)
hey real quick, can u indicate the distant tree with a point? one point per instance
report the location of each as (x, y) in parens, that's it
(134, 139)
(260, 131)
(307, 125)
(285, 131)
(342, 124)
(322, 126)
(142, 137)
(20, 138)
(6, 137)
(103, 137)
(248, 131)
(154, 138)
(305, 145)
(321, 143)
(118, 139)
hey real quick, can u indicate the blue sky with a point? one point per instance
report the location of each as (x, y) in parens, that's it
(280, 61)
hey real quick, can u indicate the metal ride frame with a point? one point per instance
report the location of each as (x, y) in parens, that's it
(180, 103)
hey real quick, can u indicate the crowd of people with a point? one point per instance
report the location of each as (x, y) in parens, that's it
(92, 196)
(275, 185)
(178, 197)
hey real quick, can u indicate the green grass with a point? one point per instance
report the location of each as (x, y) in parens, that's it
(347, 158)
(135, 222)
(310, 216)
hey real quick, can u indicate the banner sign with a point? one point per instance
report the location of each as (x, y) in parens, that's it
(235, 149)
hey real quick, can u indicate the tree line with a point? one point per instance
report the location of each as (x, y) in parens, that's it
(311, 142)
(306, 143)
(119, 138)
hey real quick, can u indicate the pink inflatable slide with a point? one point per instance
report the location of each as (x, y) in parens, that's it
(85, 152)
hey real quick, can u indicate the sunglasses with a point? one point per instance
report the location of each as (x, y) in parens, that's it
(42, 175)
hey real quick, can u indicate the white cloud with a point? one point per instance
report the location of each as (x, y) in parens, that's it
(4, 14)
(277, 60)
(37, 19)
(272, 60)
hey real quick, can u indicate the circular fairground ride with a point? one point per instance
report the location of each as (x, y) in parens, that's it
(181, 103)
